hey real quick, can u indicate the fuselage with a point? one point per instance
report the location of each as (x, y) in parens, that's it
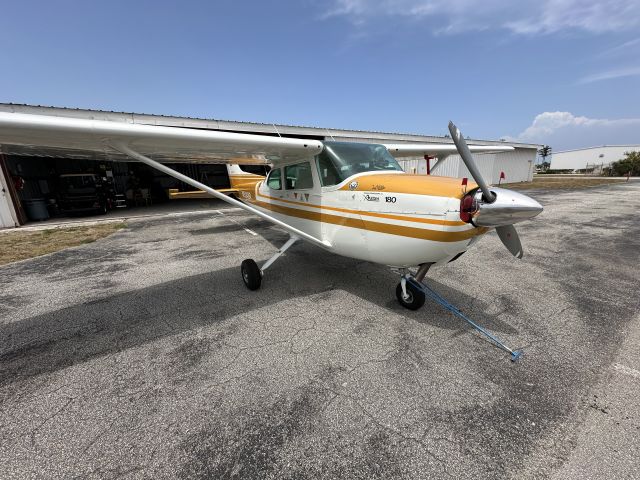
(391, 218)
(356, 199)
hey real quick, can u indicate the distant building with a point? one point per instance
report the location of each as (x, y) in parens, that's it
(592, 158)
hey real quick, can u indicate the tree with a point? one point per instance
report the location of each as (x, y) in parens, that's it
(631, 163)
(544, 152)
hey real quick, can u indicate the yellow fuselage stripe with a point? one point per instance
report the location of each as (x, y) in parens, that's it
(362, 224)
(430, 221)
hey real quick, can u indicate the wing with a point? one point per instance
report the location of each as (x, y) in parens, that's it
(73, 137)
(49, 135)
(439, 149)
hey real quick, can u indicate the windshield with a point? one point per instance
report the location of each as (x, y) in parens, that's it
(339, 160)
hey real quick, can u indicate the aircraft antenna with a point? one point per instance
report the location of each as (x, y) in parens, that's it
(276, 129)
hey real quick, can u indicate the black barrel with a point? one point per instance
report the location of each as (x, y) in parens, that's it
(36, 208)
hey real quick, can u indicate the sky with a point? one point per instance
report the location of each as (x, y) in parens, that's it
(560, 72)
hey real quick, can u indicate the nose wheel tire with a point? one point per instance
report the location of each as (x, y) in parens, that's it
(251, 275)
(414, 299)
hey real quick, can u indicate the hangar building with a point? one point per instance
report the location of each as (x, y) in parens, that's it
(590, 158)
(31, 178)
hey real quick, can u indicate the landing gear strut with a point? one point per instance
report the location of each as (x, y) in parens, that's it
(252, 274)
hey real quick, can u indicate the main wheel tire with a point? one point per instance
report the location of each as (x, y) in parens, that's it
(415, 297)
(251, 275)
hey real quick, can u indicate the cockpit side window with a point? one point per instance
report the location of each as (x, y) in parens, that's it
(274, 182)
(329, 174)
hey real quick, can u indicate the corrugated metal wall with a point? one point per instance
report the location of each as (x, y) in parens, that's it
(414, 165)
(517, 166)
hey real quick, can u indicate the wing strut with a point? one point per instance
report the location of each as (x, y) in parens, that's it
(221, 196)
(440, 160)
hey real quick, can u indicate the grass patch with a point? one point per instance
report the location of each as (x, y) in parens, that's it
(561, 183)
(17, 245)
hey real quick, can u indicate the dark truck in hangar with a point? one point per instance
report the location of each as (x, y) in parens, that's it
(83, 193)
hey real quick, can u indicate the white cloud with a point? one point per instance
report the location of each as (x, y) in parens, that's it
(621, 49)
(592, 16)
(611, 74)
(563, 131)
(521, 17)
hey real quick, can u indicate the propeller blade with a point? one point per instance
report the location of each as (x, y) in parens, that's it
(467, 158)
(511, 240)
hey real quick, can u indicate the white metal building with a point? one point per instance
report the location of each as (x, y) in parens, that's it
(517, 166)
(597, 157)
(42, 170)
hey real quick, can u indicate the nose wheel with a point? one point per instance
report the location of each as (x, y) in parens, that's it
(413, 299)
(409, 294)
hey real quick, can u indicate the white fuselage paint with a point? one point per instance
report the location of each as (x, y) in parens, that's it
(359, 239)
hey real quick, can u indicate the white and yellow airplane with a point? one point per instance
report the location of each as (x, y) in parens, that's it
(352, 199)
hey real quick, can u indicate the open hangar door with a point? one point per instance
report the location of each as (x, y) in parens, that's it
(58, 187)
(9, 216)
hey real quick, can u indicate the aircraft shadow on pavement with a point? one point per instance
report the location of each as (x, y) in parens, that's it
(56, 340)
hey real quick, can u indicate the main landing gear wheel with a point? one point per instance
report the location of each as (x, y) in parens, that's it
(251, 274)
(413, 300)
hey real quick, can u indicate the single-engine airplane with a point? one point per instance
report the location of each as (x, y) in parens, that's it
(352, 199)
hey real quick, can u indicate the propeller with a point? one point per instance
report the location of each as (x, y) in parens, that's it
(507, 233)
(511, 240)
(467, 158)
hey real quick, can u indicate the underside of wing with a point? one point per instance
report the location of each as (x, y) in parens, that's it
(42, 135)
(439, 149)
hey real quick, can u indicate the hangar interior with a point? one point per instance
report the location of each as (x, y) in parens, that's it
(131, 184)
(36, 185)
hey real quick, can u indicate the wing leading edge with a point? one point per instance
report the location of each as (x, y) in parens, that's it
(50, 135)
(439, 149)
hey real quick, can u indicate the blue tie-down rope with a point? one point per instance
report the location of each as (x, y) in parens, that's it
(515, 354)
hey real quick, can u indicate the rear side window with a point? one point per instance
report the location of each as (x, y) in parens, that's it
(298, 176)
(274, 181)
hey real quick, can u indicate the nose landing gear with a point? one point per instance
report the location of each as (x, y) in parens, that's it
(410, 295)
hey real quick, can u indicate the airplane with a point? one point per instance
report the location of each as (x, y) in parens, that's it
(352, 199)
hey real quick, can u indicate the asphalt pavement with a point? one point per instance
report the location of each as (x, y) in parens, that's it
(143, 355)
